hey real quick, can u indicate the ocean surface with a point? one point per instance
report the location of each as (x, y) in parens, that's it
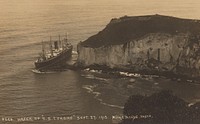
(36, 96)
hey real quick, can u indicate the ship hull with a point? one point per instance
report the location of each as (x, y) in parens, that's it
(56, 62)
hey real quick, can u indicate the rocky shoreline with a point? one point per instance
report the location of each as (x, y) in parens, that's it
(131, 72)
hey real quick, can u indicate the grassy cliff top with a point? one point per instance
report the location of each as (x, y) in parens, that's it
(125, 29)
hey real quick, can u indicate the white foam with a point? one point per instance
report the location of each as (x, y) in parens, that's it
(90, 89)
(129, 74)
(132, 80)
(96, 94)
(90, 76)
(102, 79)
(36, 71)
(110, 105)
(74, 52)
(156, 83)
(190, 104)
(42, 72)
(93, 70)
(87, 69)
(194, 102)
(147, 77)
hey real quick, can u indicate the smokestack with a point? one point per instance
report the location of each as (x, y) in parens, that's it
(56, 44)
(158, 54)
(148, 54)
(51, 47)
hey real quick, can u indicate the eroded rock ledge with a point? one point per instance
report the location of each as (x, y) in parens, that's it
(145, 43)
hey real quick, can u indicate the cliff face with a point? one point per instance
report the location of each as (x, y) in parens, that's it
(174, 49)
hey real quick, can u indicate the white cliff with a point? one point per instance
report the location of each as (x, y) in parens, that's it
(172, 52)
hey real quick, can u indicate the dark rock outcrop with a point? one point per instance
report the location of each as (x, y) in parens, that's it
(164, 108)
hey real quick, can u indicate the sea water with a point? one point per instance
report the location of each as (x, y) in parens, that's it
(71, 96)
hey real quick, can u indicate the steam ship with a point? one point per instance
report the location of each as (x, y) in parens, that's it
(55, 56)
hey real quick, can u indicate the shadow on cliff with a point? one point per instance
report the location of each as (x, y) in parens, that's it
(160, 108)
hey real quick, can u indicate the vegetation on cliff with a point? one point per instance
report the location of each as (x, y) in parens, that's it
(164, 108)
(124, 29)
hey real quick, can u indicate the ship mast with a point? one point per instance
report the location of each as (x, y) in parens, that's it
(60, 43)
(43, 49)
(51, 49)
(66, 40)
(66, 37)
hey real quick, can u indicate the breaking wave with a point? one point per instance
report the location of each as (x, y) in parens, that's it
(127, 74)
(42, 72)
(90, 76)
(90, 89)
(92, 70)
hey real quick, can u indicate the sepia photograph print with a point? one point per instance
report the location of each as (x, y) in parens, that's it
(99, 62)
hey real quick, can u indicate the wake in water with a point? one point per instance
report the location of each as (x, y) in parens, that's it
(41, 72)
(47, 72)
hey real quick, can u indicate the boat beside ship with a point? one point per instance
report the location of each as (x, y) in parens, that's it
(55, 57)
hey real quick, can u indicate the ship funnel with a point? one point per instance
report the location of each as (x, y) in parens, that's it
(56, 44)
(159, 54)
